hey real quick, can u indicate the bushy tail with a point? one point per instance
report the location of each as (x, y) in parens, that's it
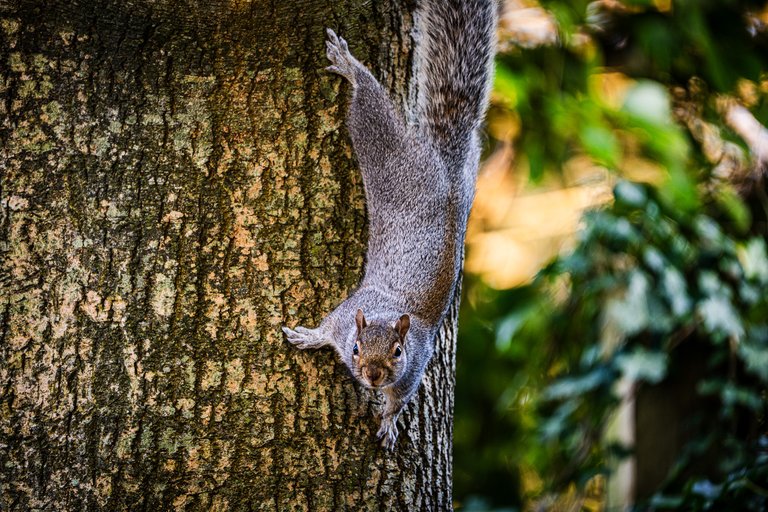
(455, 62)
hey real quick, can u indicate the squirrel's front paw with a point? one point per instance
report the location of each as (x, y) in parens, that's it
(338, 53)
(388, 433)
(304, 338)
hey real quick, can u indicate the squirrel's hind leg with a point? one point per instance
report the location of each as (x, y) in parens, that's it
(379, 135)
(344, 63)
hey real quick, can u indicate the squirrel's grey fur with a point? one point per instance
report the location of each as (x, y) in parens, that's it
(419, 185)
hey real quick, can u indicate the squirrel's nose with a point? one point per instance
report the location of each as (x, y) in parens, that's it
(374, 375)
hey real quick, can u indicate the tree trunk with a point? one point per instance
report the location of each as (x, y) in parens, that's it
(176, 182)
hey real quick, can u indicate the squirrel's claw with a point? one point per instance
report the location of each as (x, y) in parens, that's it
(335, 40)
(387, 433)
(331, 35)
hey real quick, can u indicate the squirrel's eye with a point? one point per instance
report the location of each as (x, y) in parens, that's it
(398, 352)
(355, 350)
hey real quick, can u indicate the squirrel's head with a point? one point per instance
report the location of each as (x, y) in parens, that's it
(380, 353)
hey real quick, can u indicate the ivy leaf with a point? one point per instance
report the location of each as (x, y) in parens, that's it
(642, 364)
(676, 291)
(709, 231)
(734, 206)
(505, 84)
(601, 144)
(754, 260)
(733, 395)
(575, 386)
(630, 312)
(630, 194)
(509, 326)
(719, 316)
(711, 285)
(749, 294)
(667, 502)
(654, 259)
(558, 421)
(756, 359)
(706, 489)
(649, 101)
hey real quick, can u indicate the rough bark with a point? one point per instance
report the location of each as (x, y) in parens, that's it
(175, 183)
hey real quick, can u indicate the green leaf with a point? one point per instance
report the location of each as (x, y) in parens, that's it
(734, 207)
(509, 326)
(654, 259)
(754, 260)
(575, 386)
(737, 395)
(681, 192)
(706, 489)
(643, 364)
(649, 101)
(750, 294)
(709, 230)
(710, 284)
(666, 502)
(601, 144)
(535, 154)
(558, 421)
(676, 290)
(730, 393)
(506, 85)
(755, 357)
(630, 194)
(720, 317)
(629, 312)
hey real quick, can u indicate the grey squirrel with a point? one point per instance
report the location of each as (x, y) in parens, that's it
(419, 185)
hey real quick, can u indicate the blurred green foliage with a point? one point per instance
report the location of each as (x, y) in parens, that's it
(664, 269)
(645, 282)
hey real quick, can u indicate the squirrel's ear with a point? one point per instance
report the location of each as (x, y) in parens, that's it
(402, 325)
(360, 321)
